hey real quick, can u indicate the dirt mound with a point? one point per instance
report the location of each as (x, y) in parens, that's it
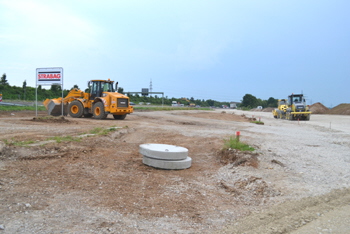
(318, 108)
(50, 119)
(249, 191)
(341, 109)
(238, 158)
(268, 109)
(248, 118)
(255, 109)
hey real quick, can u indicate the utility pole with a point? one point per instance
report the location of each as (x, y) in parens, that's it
(150, 86)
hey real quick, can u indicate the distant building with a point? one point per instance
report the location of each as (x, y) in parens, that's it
(233, 105)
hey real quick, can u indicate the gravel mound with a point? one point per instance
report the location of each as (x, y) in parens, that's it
(318, 108)
(341, 109)
(268, 109)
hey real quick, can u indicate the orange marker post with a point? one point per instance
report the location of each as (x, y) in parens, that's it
(238, 133)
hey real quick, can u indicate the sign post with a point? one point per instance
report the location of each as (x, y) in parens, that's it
(48, 76)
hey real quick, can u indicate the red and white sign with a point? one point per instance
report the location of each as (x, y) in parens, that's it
(49, 76)
(0, 97)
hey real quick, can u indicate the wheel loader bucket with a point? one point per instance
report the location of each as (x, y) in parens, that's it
(54, 107)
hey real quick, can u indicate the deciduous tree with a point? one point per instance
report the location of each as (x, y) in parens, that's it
(249, 101)
(3, 80)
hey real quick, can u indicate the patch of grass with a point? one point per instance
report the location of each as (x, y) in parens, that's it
(258, 122)
(234, 143)
(21, 108)
(17, 143)
(96, 130)
(103, 131)
(60, 139)
(23, 143)
(108, 130)
(238, 154)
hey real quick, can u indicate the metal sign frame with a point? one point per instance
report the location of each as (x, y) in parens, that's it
(48, 76)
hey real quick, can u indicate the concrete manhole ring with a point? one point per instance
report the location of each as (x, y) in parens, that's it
(164, 151)
(168, 164)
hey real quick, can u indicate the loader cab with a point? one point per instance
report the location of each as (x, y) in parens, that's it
(296, 98)
(97, 87)
(297, 102)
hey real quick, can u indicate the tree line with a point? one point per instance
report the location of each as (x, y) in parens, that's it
(156, 100)
(28, 93)
(249, 101)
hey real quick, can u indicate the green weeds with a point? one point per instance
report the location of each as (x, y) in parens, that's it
(103, 131)
(234, 143)
(258, 122)
(17, 143)
(60, 139)
(21, 108)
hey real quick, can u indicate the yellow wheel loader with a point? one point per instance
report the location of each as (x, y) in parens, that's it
(280, 112)
(297, 109)
(98, 100)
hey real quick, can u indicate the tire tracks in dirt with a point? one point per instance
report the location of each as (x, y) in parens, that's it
(300, 216)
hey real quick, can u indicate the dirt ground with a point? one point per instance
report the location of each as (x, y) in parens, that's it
(65, 175)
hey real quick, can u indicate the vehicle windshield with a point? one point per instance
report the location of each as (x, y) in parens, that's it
(297, 99)
(96, 88)
(107, 87)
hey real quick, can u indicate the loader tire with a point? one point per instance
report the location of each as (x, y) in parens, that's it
(99, 111)
(120, 117)
(76, 109)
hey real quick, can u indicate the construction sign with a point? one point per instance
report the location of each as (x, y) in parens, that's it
(0, 97)
(49, 76)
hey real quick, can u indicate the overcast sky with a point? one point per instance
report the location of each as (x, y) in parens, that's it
(205, 49)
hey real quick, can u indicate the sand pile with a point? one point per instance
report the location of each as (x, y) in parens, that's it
(341, 109)
(318, 108)
(268, 109)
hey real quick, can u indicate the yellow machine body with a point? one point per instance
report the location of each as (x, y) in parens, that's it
(98, 100)
(293, 108)
(280, 111)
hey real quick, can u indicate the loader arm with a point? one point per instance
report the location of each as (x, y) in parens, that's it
(54, 106)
